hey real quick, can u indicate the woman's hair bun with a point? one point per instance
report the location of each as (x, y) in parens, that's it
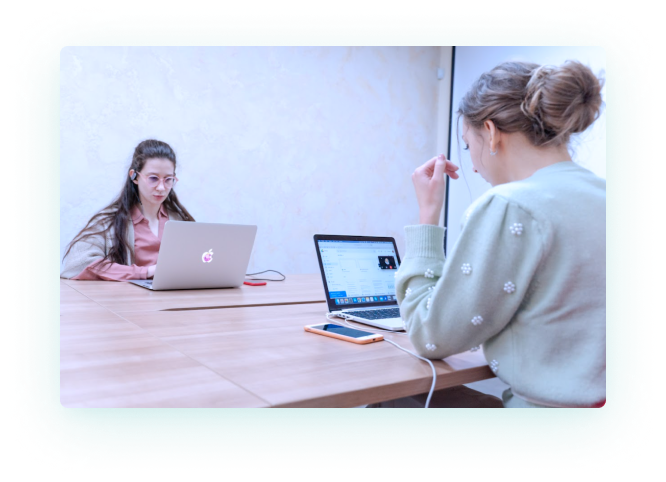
(561, 101)
(545, 103)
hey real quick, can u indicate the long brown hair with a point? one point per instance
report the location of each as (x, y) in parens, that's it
(116, 216)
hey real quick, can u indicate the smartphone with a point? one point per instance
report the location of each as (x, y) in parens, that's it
(254, 282)
(343, 333)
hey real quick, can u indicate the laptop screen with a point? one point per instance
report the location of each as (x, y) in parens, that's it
(358, 272)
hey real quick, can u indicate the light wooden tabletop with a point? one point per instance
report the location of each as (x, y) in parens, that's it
(106, 361)
(123, 296)
(230, 356)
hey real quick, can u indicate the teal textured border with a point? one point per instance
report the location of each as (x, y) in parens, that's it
(328, 440)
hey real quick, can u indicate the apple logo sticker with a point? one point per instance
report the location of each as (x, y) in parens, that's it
(207, 257)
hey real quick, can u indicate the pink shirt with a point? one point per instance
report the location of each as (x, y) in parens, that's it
(146, 249)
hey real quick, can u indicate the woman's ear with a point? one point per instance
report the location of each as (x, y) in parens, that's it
(132, 176)
(494, 134)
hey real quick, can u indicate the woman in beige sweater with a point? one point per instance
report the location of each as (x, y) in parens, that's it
(122, 241)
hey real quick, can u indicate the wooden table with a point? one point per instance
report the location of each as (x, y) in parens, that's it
(116, 352)
(118, 296)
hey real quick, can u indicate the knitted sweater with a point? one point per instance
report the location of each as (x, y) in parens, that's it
(527, 279)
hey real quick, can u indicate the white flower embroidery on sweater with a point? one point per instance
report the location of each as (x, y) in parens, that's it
(428, 304)
(494, 366)
(509, 287)
(429, 273)
(477, 320)
(430, 347)
(475, 348)
(408, 292)
(466, 268)
(516, 229)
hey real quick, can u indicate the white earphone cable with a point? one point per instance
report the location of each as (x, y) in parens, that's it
(434, 372)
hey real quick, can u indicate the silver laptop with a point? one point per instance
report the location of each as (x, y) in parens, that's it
(201, 255)
(359, 278)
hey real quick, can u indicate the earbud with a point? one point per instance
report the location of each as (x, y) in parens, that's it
(133, 176)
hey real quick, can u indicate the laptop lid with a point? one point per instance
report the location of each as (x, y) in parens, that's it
(357, 271)
(203, 255)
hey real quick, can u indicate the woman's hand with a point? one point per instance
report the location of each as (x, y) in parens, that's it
(151, 271)
(429, 184)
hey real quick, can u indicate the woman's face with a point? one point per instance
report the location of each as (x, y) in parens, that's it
(155, 180)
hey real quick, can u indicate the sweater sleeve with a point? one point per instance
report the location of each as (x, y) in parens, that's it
(112, 272)
(82, 254)
(453, 305)
(85, 256)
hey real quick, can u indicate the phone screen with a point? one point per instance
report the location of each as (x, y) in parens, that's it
(341, 330)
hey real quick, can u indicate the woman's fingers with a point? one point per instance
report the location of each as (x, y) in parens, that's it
(440, 167)
(429, 185)
(429, 168)
(451, 169)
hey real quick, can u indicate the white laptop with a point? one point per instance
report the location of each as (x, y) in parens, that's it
(359, 278)
(201, 255)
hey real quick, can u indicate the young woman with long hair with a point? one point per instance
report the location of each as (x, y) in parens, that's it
(122, 241)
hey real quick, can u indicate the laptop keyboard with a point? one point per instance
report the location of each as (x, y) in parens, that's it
(376, 314)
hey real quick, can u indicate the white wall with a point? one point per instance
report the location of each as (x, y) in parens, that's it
(588, 148)
(296, 140)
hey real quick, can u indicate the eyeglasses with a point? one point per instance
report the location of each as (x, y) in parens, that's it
(154, 181)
